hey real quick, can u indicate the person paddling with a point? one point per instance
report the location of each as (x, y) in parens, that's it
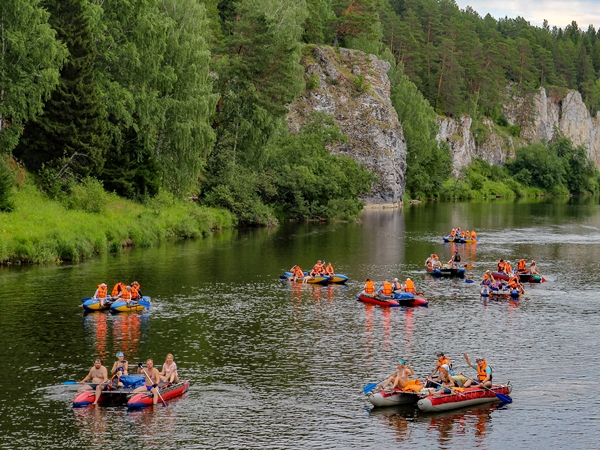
(455, 260)
(152, 379)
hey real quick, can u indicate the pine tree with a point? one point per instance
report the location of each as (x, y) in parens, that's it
(70, 136)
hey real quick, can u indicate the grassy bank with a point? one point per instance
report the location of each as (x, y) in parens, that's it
(42, 230)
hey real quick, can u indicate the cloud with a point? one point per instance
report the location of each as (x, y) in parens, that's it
(557, 13)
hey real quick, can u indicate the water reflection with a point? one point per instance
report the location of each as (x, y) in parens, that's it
(110, 333)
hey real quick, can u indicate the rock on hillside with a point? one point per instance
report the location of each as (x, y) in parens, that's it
(354, 88)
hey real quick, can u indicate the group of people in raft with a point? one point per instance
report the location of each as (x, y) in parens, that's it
(513, 283)
(120, 291)
(153, 378)
(441, 380)
(456, 232)
(387, 289)
(318, 269)
(433, 262)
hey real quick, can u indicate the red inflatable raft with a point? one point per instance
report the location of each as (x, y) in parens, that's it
(143, 399)
(471, 396)
(413, 301)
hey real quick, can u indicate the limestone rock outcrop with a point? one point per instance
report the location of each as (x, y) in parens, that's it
(354, 89)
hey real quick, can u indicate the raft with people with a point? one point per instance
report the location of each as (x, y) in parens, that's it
(167, 392)
(504, 292)
(390, 302)
(447, 271)
(461, 237)
(320, 274)
(305, 278)
(119, 305)
(461, 397)
(112, 394)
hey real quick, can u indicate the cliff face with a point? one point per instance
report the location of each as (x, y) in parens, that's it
(565, 114)
(354, 89)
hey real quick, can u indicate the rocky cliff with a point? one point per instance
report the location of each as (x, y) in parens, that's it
(565, 114)
(354, 89)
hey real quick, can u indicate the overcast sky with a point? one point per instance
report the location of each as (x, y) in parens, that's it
(558, 13)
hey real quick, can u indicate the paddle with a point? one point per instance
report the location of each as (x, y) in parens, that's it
(469, 281)
(502, 397)
(69, 382)
(468, 266)
(156, 387)
(369, 387)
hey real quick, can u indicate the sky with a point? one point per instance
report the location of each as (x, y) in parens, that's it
(557, 13)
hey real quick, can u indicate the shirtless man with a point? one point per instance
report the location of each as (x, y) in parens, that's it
(399, 378)
(98, 374)
(152, 377)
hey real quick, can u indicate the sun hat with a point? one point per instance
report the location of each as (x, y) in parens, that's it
(120, 354)
(445, 367)
(395, 279)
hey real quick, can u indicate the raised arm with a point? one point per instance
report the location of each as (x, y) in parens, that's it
(467, 359)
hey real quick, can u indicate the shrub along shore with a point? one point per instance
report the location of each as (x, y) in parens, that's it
(41, 230)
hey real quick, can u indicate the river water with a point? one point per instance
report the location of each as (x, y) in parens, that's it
(274, 365)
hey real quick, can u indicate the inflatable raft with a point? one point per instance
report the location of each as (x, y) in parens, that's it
(94, 304)
(504, 293)
(409, 299)
(337, 278)
(469, 397)
(130, 305)
(459, 240)
(448, 272)
(393, 397)
(317, 279)
(116, 395)
(523, 277)
(143, 399)
(377, 301)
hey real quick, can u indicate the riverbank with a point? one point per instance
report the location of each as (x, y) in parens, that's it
(41, 230)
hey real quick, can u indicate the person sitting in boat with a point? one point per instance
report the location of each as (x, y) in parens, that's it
(136, 291)
(399, 379)
(296, 272)
(125, 294)
(487, 279)
(522, 266)
(468, 235)
(98, 375)
(120, 368)
(484, 373)
(329, 270)
(455, 260)
(101, 293)
(369, 290)
(473, 235)
(168, 372)
(453, 232)
(409, 286)
(500, 267)
(429, 263)
(397, 287)
(508, 270)
(515, 285)
(385, 291)
(533, 269)
(317, 269)
(436, 262)
(445, 381)
(152, 379)
(442, 359)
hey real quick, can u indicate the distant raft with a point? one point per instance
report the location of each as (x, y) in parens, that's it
(461, 397)
(448, 272)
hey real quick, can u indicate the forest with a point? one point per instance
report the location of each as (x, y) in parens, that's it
(188, 98)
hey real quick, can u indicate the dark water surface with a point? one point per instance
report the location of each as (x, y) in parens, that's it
(279, 366)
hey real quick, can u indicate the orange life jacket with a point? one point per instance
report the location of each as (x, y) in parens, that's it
(508, 268)
(102, 291)
(118, 288)
(522, 265)
(298, 272)
(444, 360)
(134, 292)
(453, 233)
(317, 269)
(501, 266)
(512, 282)
(329, 269)
(125, 294)
(387, 288)
(481, 373)
(369, 287)
(410, 286)
(473, 234)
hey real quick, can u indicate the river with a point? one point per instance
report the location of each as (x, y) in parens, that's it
(274, 365)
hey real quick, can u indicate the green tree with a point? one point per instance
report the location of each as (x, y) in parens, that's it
(70, 138)
(355, 18)
(427, 164)
(581, 174)
(539, 164)
(29, 66)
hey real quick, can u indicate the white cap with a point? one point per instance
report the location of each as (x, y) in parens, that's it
(445, 367)
(395, 279)
(408, 279)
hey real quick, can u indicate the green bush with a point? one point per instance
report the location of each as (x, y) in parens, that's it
(6, 185)
(87, 195)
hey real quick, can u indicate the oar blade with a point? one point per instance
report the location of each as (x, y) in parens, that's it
(69, 382)
(469, 281)
(543, 280)
(503, 398)
(369, 387)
